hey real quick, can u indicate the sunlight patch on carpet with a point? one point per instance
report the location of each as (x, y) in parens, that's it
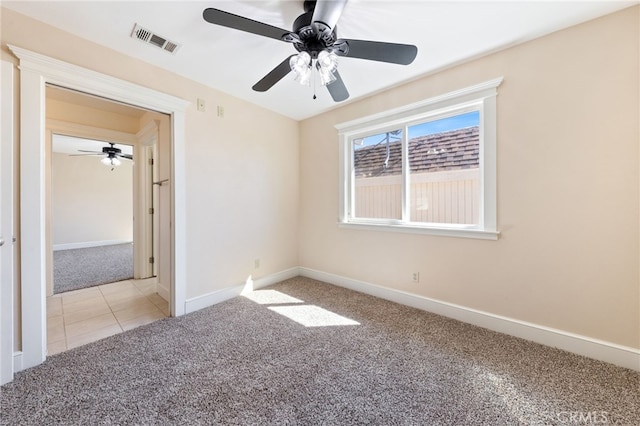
(313, 316)
(517, 402)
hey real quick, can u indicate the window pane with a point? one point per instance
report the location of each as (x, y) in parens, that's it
(377, 161)
(445, 175)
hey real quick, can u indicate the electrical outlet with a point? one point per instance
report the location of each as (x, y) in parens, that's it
(220, 111)
(415, 277)
(256, 264)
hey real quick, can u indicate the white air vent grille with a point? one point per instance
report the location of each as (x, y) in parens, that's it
(149, 37)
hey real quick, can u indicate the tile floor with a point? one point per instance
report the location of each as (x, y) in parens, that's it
(79, 317)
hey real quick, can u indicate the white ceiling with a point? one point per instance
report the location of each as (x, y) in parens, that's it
(446, 33)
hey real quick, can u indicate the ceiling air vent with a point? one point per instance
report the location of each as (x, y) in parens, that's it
(149, 37)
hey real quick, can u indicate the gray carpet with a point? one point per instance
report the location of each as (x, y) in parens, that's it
(242, 363)
(87, 267)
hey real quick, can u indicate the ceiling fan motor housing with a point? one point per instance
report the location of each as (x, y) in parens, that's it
(111, 150)
(311, 42)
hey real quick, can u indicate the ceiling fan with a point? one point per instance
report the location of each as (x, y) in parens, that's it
(314, 37)
(112, 155)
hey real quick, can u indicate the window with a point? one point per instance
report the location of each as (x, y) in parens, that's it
(425, 168)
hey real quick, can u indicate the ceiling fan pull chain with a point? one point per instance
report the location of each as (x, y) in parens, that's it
(314, 85)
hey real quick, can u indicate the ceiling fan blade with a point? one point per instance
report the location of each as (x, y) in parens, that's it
(229, 20)
(328, 12)
(394, 53)
(93, 152)
(274, 76)
(127, 156)
(83, 155)
(337, 89)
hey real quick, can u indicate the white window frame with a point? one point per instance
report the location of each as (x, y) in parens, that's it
(480, 97)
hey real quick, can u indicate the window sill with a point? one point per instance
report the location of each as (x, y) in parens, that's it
(424, 230)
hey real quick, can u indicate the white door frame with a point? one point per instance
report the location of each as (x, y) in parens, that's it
(7, 344)
(36, 71)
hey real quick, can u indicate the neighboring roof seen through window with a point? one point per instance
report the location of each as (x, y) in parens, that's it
(450, 143)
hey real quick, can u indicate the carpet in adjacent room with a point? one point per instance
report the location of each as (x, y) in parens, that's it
(74, 269)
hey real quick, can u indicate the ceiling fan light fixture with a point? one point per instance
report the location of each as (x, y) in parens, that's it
(110, 161)
(304, 77)
(328, 60)
(300, 62)
(301, 65)
(326, 64)
(326, 76)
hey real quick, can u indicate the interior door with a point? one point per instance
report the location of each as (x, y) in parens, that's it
(162, 200)
(145, 211)
(152, 230)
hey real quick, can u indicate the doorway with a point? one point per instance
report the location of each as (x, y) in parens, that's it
(101, 231)
(35, 72)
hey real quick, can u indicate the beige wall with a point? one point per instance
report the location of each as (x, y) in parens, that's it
(90, 202)
(241, 170)
(568, 188)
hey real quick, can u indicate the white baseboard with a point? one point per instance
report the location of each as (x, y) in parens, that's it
(582, 345)
(86, 244)
(17, 361)
(215, 297)
(593, 348)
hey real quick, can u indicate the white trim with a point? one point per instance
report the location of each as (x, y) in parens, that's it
(33, 241)
(481, 90)
(75, 77)
(36, 71)
(215, 297)
(7, 279)
(480, 97)
(17, 361)
(425, 230)
(179, 213)
(87, 244)
(623, 356)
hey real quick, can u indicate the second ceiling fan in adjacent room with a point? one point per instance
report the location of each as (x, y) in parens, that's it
(111, 153)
